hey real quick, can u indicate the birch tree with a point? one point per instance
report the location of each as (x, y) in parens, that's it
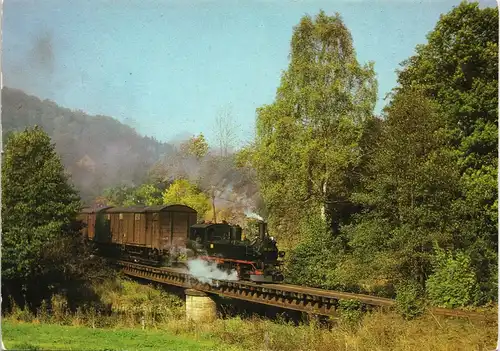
(307, 139)
(225, 130)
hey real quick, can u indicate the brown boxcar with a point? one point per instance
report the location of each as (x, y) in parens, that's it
(89, 216)
(146, 231)
(156, 227)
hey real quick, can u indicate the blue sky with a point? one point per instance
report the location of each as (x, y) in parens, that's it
(168, 67)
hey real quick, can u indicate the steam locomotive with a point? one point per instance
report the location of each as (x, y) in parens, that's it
(170, 236)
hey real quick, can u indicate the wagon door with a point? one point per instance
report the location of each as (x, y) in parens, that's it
(165, 230)
(139, 229)
(115, 229)
(148, 230)
(121, 229)
(180, 228)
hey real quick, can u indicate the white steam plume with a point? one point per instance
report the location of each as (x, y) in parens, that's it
(206, 271)
(254, 215)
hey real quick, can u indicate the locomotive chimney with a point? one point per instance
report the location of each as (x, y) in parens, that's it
(213, 203)
(262, 230)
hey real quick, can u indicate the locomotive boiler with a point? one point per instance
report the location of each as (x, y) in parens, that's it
(169, 236)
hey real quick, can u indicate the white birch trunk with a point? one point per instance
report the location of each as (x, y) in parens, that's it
(323, 205)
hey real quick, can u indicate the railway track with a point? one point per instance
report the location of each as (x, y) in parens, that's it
(293, 297)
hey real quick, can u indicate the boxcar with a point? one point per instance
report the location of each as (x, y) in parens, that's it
(90, 216)
(144, 231)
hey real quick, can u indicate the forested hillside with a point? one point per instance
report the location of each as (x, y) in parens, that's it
(400, 204)
(117, 154)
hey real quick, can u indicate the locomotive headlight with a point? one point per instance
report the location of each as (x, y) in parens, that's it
(281, 254)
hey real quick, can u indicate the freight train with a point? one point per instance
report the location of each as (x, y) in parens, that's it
(170, 236)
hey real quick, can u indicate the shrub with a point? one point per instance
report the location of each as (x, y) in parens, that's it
(409, 299)
(314, 260)
(453, 283)
(351, 312)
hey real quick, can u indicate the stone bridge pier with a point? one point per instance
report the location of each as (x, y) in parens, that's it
(200, 306)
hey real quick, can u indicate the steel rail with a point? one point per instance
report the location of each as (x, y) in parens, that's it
(294, 297)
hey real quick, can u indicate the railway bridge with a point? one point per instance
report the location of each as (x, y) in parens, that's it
(293, 297)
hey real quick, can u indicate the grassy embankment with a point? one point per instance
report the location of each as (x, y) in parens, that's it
(162, 327)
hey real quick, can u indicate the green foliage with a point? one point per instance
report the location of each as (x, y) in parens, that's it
(351, 312)
(458, 69)
(149, 195)
(38, 207)
(409, 299)
(118, 195)
(453, 282)
(183, 192)
(43, 251)
(197, 147)
(313, 261)
(307, 139)
(145, 195)
(389, 188)
(407, 198)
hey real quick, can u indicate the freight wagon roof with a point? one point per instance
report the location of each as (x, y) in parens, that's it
(134, 209)
(158, 208)
(142, 209)
(94, 209)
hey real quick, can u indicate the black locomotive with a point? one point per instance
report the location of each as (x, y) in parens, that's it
(256, 260)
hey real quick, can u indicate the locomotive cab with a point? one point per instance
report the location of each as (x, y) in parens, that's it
(205, 233)
(219, 239)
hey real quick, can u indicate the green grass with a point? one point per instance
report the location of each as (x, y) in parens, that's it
(166, 328)
(29, 336)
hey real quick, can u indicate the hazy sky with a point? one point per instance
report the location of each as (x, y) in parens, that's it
(168, 67)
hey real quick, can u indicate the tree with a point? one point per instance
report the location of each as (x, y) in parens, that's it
(181, 163)
(225, 130)
(458, 69)
(148, 195)
(183, 192)
(164, 171)
(229, 214)
(145, 195)
(307, 139)
(39, 208)
(196, 147)
(412, 180)
(121, 195)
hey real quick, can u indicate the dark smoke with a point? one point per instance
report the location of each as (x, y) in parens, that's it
(42, 53)
(35, 73)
